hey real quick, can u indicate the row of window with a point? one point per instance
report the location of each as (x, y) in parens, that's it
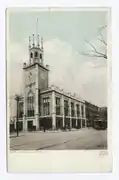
(46, 107)
(66, 108)
(30, 105)
(36, 55)
(30, 113)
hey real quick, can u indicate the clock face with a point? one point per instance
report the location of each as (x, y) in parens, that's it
(30, 76)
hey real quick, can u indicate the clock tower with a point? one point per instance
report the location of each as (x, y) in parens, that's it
(35, 78)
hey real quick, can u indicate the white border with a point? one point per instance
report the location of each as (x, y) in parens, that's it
(65, 160)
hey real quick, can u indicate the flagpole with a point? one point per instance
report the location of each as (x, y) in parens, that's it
(37, 34)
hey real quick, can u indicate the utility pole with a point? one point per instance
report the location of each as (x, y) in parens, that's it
(17, 98)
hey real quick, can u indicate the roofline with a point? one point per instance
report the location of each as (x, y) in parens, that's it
(34, 65)
(91, 104)
(35, 47)
(51, 90)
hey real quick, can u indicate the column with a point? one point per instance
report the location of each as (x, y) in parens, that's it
(75, 112)
(80, 114)
(53, 110)
(24, 115)
(69, 102)
(24, 104)
(84, 114)
(62, 105)
(36, 122)
(15, 123)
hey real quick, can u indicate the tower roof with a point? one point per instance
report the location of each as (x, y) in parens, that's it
(34, 41)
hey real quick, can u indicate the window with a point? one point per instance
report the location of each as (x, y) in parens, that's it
(20, 109)
(40, 56)
(82, 110)
(30, 103)
(36, 54)
(39, 102)
(66, 108)
(77, 110)
(72, 109)
(46, 106)
(57, 106)
(31, 55)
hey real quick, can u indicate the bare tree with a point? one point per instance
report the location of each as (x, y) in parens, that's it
(94, 52)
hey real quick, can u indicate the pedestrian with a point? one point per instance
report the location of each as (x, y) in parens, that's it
(44, 128)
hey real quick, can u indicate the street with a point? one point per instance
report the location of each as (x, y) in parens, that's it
(71, 140)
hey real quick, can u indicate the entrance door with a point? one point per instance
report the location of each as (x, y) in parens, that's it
(59, 123)
(30, 125)
(45, 123)
(67, 122)
(79, 123)
(73, 123)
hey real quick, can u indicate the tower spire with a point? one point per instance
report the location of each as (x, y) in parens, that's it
(29, 42)
(37, 26)
(41, 42)
(38, 41)
(37, 34)
(33, 41)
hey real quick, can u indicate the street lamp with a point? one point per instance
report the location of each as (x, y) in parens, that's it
(17, 98)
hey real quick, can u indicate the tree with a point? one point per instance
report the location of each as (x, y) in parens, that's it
(94, 51)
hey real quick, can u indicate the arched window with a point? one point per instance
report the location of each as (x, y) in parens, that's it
(36, 54)
(30, 104)
(31, 55)
(40, 56)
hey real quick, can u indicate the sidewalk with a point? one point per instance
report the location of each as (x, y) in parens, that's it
(23, 133)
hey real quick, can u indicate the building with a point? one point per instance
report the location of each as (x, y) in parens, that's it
(42, 106)
(103, 112)
(92, 111)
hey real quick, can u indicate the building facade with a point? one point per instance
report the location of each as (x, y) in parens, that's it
(42, 106)
(103, 112)
(92, 112)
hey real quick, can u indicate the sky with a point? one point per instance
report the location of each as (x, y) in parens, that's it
(64, 35)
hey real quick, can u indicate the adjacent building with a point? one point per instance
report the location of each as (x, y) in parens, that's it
(92, 112)
(103, 112)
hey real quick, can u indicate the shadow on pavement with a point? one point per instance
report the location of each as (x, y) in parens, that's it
(15, 136)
